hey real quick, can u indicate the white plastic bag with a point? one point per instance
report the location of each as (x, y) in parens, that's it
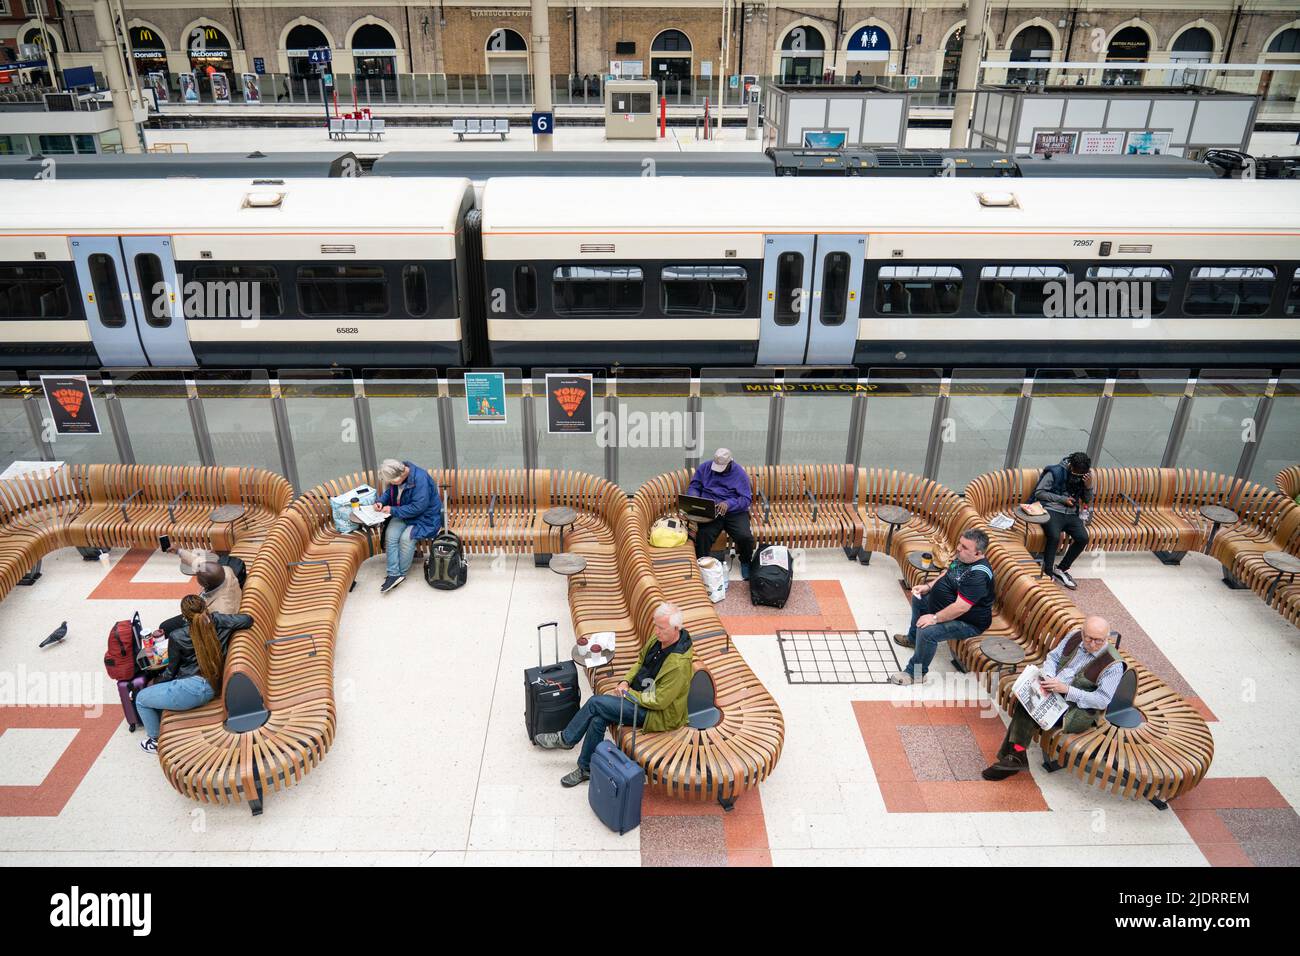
(714, 573)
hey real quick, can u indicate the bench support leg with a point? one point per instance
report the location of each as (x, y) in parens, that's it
(31, 577)
(1231, 581)
(864, 556)
(727, 803)
(541, 560)
(1170, 557)
(1050, 765)
(1159, 804)
(957, 665)
(851, 551)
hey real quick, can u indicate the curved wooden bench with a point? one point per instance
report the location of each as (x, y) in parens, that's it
(124, 506)
(1288, 481)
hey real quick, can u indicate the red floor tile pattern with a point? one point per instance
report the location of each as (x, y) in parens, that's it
(821, 606)
(699, 833)
(120, 584)
(52, 795)
(1214, 810)
(882, 723)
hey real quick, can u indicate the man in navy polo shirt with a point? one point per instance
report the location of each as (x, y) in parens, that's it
(957, 606)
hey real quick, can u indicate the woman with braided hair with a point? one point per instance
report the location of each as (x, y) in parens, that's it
(196, 659)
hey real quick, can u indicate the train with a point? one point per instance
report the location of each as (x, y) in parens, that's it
(662, 271)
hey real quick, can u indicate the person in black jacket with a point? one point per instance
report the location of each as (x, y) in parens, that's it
(196, 659)
(1065, 490)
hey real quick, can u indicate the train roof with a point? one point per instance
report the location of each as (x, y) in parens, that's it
(185, 165)
(178, 205)
(858, 204)
(484, 164)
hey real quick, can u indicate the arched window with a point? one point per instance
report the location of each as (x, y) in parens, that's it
(1288, 41)
(1195, 40)
(147, 49)
(297, 45)
(503, 39)
(672, 63)
(802, 55)
(671, 41)
(1032, 44)
(803, 37)
(372, 36)
(209, 51)
(1191, 46)
(374, 58)
(1129, 45)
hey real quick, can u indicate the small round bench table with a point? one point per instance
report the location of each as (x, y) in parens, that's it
(1283, 563)
(1218, 515)
(560, 517)
(569, 565)
(895, 517)
(914, 559)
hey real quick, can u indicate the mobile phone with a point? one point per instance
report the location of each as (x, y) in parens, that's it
(165, 542)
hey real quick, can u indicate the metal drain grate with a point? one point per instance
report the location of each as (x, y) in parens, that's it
(838, 657)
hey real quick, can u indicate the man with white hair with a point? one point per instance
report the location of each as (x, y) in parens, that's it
(1085, 669)
(726, 484)
(652, 695)
(411, 498)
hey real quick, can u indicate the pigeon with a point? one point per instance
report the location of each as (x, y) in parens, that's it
(59, 634)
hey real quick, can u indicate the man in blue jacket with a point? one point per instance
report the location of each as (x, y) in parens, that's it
(411, 498)
(725, 483)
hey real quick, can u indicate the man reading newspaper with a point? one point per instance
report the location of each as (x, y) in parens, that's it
(1084, 670)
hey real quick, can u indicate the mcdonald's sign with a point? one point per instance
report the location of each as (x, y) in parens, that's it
(144, 33)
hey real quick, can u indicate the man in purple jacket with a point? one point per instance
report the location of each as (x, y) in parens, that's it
(724, 482)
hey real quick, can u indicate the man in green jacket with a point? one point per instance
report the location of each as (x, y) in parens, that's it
(653, 695)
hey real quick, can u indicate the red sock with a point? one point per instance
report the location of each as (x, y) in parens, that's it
(1017, 748)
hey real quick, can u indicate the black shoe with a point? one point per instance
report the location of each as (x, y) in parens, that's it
(1063, 576)
(1007, 766)
(390, 583)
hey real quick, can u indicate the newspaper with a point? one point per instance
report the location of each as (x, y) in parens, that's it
(1002, 521)
(1046, 709)
(368, 516)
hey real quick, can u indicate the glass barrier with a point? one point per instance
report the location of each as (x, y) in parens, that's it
(81, 449)
(977, 430)
(655, 431)
(564, 441)
(237, 407)
(1141, 415)
(404, 415)
(816, 419)
(489, 441)
(1222, 419)
(17, 443)
(1279, 446)
(900, 411)
(1061, 414)
(322, 421)
(155, 407)
(735, 405)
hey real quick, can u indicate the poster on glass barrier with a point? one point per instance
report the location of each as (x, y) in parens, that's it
(71, 407)
(189, 87)
(1147, 143)
(252, 92)
(158, 83)
(485, 397)
(220, 88)
(568, 404)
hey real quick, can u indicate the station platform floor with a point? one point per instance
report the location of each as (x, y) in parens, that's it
(401, 138)
(431, 764)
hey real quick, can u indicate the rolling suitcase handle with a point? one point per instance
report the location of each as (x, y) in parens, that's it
(542, 627)
(620, 722)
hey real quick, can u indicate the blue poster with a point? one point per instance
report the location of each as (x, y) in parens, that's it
(485, 396)
(824, 140)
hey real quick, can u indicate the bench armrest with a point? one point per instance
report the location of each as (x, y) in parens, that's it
(171, 506)
(767, 508)
(715, 633)
(325, 564)
(1137, 508)
(294, 637)
(492, 512)
(813, 498)
(135, 494)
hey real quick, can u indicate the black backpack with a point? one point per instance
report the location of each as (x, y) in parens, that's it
(445, 567)
(235, 564)
(769, 583)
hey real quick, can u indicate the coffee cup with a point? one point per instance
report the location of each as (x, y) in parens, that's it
(927, 559)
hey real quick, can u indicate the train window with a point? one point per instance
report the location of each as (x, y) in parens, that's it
(222, 300)
(789, 288)
(414, 290)
(342, 290)
(918, 290)
(835, 288)
(108, 294)
(704, 290)
(1016, 290)
(1134, 288)
(604, 290)
(1229, 290)
(149, 273)
(525, 290)
(1293, 295)
(32, 292)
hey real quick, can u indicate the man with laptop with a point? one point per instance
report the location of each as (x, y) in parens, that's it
(718, 498)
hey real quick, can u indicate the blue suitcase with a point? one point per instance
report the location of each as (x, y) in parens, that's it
(617, 783)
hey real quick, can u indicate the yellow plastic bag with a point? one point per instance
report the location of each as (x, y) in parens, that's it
(668, 533)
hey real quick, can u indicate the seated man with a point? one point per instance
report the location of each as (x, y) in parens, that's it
(1065, 489)
(722, 480)
(221, 591)
(954, 607)
(1086, 669)
(411, 497)
(653, 694)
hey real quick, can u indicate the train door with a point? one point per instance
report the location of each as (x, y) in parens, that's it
(811, 291)
(117, 279)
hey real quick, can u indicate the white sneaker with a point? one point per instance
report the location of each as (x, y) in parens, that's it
(150, 746)
(904, 679)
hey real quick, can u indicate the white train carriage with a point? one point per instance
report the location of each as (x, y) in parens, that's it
(234, 273)
(695, 271)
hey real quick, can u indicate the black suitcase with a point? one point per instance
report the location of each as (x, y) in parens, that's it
(551, 692)
(769, 584)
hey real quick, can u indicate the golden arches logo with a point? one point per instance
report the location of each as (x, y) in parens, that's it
(144, 33)
(210, 33)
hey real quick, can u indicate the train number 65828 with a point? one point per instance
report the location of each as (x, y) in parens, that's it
(347, 330)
